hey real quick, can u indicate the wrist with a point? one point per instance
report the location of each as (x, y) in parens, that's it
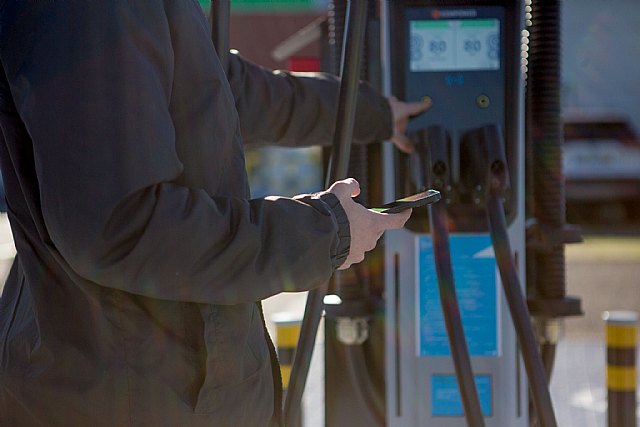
(344, 229)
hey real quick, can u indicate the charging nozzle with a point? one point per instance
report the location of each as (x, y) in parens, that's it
(433, 155)
(485, 170)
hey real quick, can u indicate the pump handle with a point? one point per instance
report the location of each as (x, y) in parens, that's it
(497, 184)
(433, 149)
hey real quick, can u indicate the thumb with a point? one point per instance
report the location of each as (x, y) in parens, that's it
(354, 187)
(396, 220)
(345, 188)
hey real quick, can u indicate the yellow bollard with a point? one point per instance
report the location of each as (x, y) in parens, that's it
(621, 367)
(287, 335)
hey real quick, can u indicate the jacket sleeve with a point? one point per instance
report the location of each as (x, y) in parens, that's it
(94, 99)
(302, 107)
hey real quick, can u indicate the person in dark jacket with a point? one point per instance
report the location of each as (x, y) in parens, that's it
(132, 300)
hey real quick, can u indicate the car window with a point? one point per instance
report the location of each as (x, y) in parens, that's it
(600, 131)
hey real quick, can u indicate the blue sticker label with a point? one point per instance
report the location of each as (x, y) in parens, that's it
(446, 400)
(474, 271)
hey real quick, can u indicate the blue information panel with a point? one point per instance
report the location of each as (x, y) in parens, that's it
(474, 270)
(446, 400)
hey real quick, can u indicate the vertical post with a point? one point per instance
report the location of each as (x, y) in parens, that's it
(621, 337)
(287, 335)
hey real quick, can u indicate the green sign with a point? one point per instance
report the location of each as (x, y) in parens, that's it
(270, 5)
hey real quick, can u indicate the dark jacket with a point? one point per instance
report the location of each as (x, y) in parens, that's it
(140, 256)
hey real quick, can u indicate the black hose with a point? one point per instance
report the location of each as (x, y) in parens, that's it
(355, 356)
(548, 354)
(359, 159)
(451, 314)
(519, 312)
(347, 97)
(338, 168)
(356, 365)
(302, 356)
(432, 148)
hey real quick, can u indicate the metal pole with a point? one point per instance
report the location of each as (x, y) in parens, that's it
(338, 169)
(622, 335)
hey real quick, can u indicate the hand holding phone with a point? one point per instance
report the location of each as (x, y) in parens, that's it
(366, 226)
(410, 202)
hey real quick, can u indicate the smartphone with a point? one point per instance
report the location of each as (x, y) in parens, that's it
(414, 201)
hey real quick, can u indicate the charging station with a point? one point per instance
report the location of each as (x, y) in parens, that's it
(466, 59)
(435, 327)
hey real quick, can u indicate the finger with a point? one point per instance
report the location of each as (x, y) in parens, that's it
(413, 108)
(403, 143)
(402, 218)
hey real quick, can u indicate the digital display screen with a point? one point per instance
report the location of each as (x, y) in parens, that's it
(454, 45)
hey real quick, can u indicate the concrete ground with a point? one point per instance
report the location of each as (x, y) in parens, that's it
(604, 272)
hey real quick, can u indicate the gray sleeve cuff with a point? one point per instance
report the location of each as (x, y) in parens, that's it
(344, 230)
(329, 201)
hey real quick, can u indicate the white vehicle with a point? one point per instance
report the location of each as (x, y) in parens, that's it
(602, 162)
